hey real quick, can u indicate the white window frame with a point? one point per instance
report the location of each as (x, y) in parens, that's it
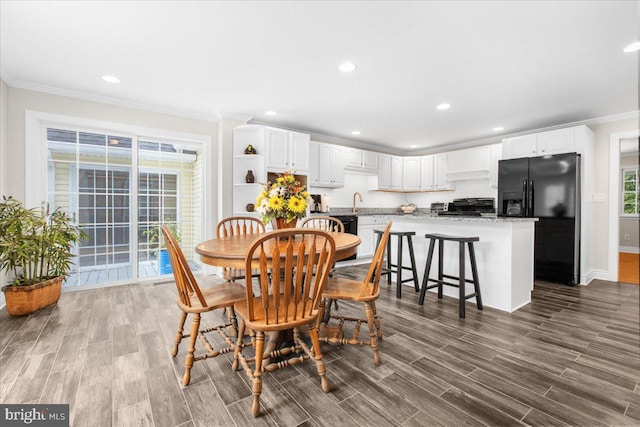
(36, 170)
(622, 191)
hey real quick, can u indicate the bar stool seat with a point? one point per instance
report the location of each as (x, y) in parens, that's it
(461, 278)
(399, 266)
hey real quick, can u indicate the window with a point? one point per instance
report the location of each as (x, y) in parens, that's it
(630, 192)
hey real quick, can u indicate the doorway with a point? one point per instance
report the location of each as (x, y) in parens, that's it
(624, 207)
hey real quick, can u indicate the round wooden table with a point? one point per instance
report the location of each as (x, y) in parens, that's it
(230, 251)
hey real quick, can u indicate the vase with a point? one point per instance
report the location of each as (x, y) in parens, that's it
(250, 207)
(281, 223)
(250, 179)
(250, 150)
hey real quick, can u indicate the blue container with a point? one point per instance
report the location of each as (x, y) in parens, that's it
(164, 262)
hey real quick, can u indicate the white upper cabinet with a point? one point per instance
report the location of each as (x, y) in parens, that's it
(470, 163)
(411, 177)
(357, 159)
(287, 150)
(495, 155)
(327, 165)
(545, 143)
(389, 172)
(426, 173)
(396, 173)
(440, 172)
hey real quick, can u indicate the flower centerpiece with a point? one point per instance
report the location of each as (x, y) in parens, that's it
(283, 201)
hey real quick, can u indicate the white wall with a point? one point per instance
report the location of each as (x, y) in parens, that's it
(4, 124)
(602, 133)
(20, 100)
(343, 197)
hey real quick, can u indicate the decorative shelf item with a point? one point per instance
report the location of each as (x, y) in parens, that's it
(250, 150)
(250, 207)
(250, 179)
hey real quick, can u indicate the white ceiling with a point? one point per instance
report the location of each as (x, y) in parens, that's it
(521, 65)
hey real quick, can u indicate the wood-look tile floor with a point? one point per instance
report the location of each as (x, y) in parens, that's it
(571, 357)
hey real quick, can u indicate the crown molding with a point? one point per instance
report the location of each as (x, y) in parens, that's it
(207, 117)
(235, 116)
(6, 77)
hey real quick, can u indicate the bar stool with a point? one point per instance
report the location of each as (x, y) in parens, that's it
(398, 267)
(462, 280)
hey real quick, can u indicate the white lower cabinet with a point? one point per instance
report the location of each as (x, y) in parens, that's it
(366, 225)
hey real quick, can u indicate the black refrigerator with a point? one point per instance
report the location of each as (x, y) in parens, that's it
(547, 188)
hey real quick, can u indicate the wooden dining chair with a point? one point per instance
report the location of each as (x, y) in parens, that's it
(235, 226)
(367, 292)
(299, 261)
(192, 299)
(326, 223)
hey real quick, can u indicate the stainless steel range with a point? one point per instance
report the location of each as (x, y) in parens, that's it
(470, 206)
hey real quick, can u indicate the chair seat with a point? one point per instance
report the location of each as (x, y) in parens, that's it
(259, 322)
(347, 289)
(216, 295)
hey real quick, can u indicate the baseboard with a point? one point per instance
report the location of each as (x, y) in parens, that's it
(585, 279)
(629, 249)
(600, 274)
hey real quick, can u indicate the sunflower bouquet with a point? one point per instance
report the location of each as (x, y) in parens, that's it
(285, 198)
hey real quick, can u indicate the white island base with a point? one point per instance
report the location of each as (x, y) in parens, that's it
(504, 256)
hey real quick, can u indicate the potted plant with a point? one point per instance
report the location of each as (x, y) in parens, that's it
(154, 240)
(36, 249)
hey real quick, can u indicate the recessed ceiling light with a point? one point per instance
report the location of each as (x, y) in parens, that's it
(498, 128)
(633, 47)
(111, 79)
(443, 106)
(270, 113)
(413, 146)
(347, 67)
(355, 132)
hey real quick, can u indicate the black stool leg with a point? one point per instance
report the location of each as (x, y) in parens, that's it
(427, 269)
(474, 272)
(399, 269)
(461, 282)
(440, 264)
(413, 264)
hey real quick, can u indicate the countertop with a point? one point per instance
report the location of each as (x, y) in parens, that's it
(422, 215)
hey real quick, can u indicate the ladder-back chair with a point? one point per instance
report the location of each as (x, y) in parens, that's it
(294, 265)
(326, 223)
(235, 226)
(367, 292)
(192, 299)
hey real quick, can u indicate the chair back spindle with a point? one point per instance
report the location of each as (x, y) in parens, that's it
(300, 261)
(326, 223)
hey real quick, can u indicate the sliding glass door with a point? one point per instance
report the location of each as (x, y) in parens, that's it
(121, 189)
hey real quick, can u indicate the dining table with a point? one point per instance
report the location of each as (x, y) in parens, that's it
(230, 252)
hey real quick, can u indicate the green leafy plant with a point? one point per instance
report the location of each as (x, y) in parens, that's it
(36, 245)
(154, 239)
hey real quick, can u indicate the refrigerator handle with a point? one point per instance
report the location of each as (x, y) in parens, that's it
(525, 205)
(530, 199)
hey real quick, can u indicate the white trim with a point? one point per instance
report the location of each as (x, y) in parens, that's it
(586, 278)
(234, 116)
(601, 275)
(629, 249)
(197, 115)
(614, 199)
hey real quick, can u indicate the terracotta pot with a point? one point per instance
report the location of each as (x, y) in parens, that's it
(22, 300)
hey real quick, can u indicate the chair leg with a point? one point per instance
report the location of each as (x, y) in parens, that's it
(239, 346)
(427, 269)
(461, 283)
(399, 269)
(231, 315)
(376, 320)
(474, 272)
(372, 332)
(188, 363)
(317, 355)
(183, 318)
(257, 374)
(321, 313)
(389, 261)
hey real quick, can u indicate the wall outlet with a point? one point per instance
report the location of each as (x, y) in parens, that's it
(626, 237)
(598, 197)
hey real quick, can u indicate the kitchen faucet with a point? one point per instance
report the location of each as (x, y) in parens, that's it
(354, 201)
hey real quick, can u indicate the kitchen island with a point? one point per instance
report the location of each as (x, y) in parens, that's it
(504, 254)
